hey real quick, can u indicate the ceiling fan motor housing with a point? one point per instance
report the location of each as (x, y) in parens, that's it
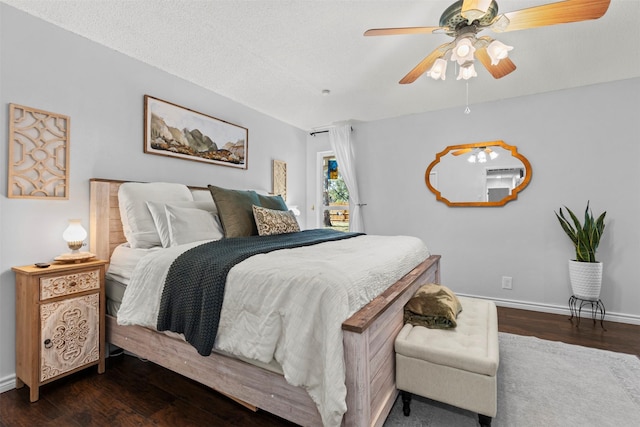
(452, 17)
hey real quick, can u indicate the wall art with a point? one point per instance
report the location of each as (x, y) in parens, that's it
(280, 178)
(38, 154)
(172, 130)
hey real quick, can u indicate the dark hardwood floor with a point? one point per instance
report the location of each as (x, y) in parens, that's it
(136, 393)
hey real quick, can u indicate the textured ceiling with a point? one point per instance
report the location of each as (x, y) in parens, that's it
(277, 56)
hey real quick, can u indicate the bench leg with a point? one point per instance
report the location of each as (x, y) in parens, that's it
(484, 420)
(406, 402)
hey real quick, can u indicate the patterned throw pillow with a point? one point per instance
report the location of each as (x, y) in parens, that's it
(270, 221)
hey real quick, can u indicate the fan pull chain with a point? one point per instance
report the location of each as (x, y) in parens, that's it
(467, 110)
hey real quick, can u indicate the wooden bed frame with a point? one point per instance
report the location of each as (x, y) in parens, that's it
(368, 341)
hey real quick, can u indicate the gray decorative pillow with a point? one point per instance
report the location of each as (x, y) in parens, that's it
(273, 221)
(234, 211)
(272, 202)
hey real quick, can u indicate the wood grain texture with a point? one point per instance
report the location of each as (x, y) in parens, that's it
(425, 64)
(36, 322)
(559, 12)
(498, 71)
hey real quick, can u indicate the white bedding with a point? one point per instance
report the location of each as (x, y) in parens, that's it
(289, 305)
(123, 261)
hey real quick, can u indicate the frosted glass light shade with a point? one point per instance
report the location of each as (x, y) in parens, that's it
(74, 235)
(438, 70)
(497, 51)
(467, 71)
(463, 51)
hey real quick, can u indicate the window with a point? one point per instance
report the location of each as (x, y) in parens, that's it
(335, 196)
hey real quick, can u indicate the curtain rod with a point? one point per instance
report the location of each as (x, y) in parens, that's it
(323, 131)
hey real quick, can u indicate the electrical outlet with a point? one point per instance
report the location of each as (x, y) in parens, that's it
(507, 282)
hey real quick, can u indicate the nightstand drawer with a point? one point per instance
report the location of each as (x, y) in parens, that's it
(68, 284)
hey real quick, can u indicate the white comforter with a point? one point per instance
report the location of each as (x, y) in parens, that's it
(289, 305)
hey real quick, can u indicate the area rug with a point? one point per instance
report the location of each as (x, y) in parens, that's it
(546, 383)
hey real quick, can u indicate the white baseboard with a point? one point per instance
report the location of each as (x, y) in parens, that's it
(557, 309)
(7, 383)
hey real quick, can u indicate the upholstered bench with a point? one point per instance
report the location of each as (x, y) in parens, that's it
(455, 366)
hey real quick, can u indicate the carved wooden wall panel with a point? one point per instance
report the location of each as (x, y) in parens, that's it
(280, 178)
(38, 154)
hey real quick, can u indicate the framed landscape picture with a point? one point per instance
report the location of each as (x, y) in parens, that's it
(175, 131)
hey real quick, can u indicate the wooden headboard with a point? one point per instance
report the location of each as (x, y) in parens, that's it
(105, 226)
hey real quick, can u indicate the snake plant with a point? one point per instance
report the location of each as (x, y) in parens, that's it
(585, 237)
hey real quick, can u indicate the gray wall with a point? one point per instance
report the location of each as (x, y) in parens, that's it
(45, 67)
(583, 144)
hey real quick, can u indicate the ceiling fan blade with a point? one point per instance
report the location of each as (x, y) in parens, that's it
(562, 12)
(425, 64)
(404, 30)
(461, 151)
(474, 9)
(501, 69)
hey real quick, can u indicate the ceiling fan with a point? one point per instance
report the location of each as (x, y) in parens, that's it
(464, 19)
(478, 154)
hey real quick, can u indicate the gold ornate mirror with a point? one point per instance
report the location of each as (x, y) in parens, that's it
(481, 174)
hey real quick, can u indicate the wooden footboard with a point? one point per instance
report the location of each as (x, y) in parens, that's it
(368, 338)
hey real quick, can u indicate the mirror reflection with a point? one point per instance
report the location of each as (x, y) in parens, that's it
(480, 174)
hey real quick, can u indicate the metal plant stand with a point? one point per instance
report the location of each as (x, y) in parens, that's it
(597, 308)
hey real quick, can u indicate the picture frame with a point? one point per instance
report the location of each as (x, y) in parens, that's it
(176, 131)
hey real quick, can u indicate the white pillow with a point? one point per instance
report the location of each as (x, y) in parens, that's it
(161, 220)
(188, 225)
(137, 222)
(202, 195)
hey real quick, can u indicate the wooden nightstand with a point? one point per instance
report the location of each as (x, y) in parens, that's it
(60, 321)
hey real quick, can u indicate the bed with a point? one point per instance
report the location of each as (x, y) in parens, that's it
(367, 335)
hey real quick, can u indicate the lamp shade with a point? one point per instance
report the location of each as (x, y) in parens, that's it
(482, 157)
(439, 69)
(74, 234)
(467, 71)
(463, 51)
(497, 51)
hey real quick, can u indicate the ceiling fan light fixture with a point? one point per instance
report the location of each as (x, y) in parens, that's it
(467, 70)
(493, 155)
(464, 19)
(482, 157)
(439, 69)
(471, 158)
(497, 51)
(463, 51)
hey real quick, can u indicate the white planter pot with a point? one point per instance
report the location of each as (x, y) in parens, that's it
(586, 279)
